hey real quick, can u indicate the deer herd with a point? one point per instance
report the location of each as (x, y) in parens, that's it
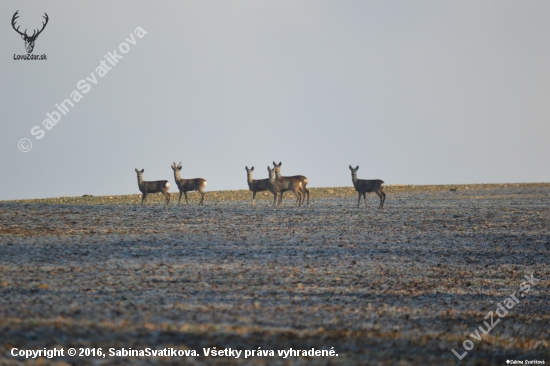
(276, 183)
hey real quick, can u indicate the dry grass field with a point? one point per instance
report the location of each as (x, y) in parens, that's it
(398, 286)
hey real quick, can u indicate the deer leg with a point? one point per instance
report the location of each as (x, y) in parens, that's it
(253, 196)
(185, 194)
(201, 203)
(306, 191)
(143, 199)
(181, 193)
(281, 198)
(274, 198)
(365, 198)
(382, 196)
(167, 201)
(359, 200)
(299, 198)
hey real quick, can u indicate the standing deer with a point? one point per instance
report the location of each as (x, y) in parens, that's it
(187, 185)
(278, 186)
(157, 186)
(304, 191)
(364, 186)
(256, 186)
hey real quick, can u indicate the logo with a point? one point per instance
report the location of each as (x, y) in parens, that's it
(25, 145)
(29, 40)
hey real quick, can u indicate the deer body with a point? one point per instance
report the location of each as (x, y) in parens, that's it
(256, 185)
(159, 186)
(301, 178)
(189, 185)
(364, 186)
(279, 186)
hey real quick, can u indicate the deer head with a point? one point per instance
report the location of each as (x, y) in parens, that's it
(29, 40)
(354, 171)
(271, 174)
(140, 174)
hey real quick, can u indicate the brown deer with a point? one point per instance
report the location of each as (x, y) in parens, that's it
(364, 186)
(278, 186)
(305, 191)
(187, 185)
(159, 186)
(259, 185)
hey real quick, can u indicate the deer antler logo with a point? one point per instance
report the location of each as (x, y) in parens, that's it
(29, 40)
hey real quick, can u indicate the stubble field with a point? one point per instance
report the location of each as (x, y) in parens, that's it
(398, 286)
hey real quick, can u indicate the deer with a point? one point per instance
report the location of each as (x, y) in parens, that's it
(364, 186)
(278, 186)
(304, 191)
(157, 186)
(29, 40)
(259, 185)
(189, 185)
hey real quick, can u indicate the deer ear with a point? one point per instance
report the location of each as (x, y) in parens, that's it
(274, 164)
(357, 167)
(136, 170)
(142, 170)
(280, 163)
(350, 168)
(246, 167)
(252, 169)
(179, 167)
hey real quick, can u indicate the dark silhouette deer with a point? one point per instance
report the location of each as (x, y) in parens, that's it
(158, 186)
(259, 185)
(278, 186)
(29, 40)
(364, 186)
(304, 190)
(187, 185)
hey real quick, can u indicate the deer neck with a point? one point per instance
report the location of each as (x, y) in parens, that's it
(140, 182)
(354, 179)
(278, 174)
(250, 179)
(177, 176)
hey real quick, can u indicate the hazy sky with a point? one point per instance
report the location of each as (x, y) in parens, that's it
(414, 92)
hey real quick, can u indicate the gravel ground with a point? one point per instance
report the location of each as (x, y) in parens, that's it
(398, 286)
